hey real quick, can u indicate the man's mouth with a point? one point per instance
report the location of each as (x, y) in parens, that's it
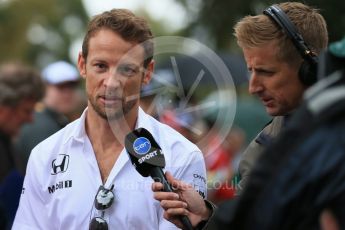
(110, 100)
(267, 101)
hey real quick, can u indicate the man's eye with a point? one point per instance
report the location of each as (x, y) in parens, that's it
(262, 72)
(266, 72)
(100, 66)
(127, 70)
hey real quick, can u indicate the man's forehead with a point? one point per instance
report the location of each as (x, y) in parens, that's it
(106, 48)
(105, 35)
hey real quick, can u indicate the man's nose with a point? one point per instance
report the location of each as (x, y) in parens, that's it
(255, 84)
(113, 80)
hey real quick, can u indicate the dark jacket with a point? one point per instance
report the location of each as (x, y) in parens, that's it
(290, 190)
(255, 149)
(11, 182)
(46, 123)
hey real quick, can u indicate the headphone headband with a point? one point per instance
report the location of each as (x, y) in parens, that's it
(280, 18)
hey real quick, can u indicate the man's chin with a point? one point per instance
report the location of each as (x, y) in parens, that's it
(114, 115)
(109, 114)
(272, 111)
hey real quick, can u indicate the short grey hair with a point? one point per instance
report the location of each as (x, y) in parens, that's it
(18, 82)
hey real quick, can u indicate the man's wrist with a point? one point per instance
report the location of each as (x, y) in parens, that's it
(207, 212)
(206, 215)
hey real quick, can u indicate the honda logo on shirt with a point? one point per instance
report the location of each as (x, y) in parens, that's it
(60, 164)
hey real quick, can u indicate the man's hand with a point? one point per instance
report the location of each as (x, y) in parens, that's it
(185, 201)
(328, 221)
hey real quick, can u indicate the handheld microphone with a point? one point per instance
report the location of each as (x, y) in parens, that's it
(147, 157)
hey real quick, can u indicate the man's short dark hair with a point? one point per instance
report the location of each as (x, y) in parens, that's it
(123, 22)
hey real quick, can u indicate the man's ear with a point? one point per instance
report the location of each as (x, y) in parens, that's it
(148, 73)
(81, 65)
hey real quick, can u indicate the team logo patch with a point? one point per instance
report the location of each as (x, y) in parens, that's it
(60, 164)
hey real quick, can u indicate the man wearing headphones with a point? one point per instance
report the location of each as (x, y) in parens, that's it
(282, 60)
(280, 47)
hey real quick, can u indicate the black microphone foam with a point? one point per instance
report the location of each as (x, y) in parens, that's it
(147, 158)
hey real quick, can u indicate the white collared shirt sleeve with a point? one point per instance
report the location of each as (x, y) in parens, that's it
(193, 172)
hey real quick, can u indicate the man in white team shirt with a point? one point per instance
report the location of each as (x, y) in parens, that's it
(87, 157)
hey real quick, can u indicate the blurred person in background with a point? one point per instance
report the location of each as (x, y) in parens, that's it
(58, 105)
(20, 88)
(222, 164)
(222, 149)
(157, 100)
(183, 123)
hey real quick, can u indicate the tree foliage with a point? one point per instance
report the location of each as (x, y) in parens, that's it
(40, 31)
(36, 31)
(217, 18)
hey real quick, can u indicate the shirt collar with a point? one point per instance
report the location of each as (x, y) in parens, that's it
(77, 131)
(144, 121)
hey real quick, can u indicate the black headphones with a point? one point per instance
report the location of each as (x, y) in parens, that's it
(308, 70)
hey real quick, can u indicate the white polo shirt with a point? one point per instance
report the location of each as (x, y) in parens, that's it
(63, 177)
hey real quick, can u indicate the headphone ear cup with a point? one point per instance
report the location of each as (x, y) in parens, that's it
(308, 73)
